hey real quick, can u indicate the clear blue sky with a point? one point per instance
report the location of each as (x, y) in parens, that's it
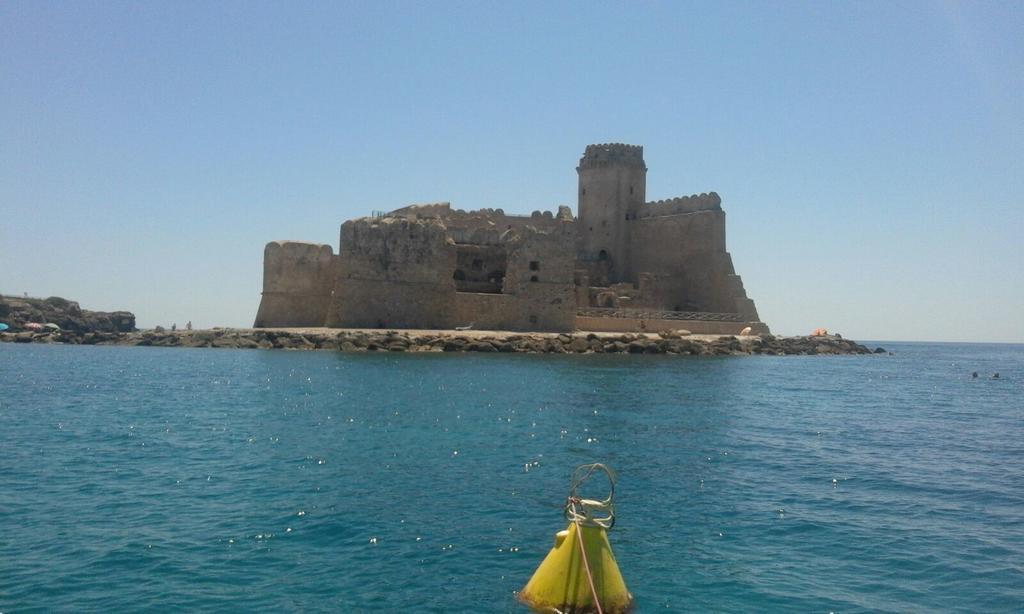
(870, 155)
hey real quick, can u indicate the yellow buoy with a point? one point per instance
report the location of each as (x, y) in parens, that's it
(579, 575)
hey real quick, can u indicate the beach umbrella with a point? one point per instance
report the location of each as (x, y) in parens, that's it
(34, 326)
(51, 326)
(3, 326)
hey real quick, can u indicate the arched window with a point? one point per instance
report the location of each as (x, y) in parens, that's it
(602, 255)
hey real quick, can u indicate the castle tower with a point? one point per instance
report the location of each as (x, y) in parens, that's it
(613, 186)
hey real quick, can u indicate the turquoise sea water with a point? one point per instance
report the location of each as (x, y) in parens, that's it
(158, 479)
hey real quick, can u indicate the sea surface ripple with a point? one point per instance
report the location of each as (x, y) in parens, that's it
(159, 479)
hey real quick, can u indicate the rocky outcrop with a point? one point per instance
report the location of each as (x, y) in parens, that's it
(17, 312)
(448, 341)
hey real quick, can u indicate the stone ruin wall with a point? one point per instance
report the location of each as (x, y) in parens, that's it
(297, 282)
(393, 272)
(399, 272)
(480, 267)
(710, 201)
(467, 226)
(538, 291)
(462, 225)
(538, 288)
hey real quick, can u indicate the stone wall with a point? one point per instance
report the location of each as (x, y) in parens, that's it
(538, 291)
(297, 282)
(683, 204)
(467, 226)
(473, 227)
(405, 272)
(394, 272)
(485, 311)
(540, 274)
(689, 250)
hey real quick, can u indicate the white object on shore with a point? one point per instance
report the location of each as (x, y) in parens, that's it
(469, 327)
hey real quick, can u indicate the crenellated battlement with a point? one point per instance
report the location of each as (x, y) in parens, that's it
(603, 154)
(709, 201)
(444, 211)
(639, 149)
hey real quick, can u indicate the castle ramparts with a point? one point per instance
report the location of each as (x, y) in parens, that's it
(621, 264)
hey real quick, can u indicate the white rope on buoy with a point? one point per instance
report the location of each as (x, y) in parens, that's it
(580, 512)
(586, 566)
(579, 509)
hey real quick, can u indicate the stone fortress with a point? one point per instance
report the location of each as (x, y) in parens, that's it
(624, 264)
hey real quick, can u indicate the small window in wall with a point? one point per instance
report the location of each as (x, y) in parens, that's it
(533, 278)
(604, 223)
(478, 264)
(534, 265)
(533, 319)
(459, 275)
(583, 191)
(630, 189)
(602, 255)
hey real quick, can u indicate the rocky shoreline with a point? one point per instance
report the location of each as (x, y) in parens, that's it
(456, 341)
(19, 313)
(60, 321)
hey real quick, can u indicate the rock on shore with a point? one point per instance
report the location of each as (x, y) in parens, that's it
(16, 312)
(452, 341)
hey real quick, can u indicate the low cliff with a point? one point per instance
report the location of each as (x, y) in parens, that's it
(16, 312)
